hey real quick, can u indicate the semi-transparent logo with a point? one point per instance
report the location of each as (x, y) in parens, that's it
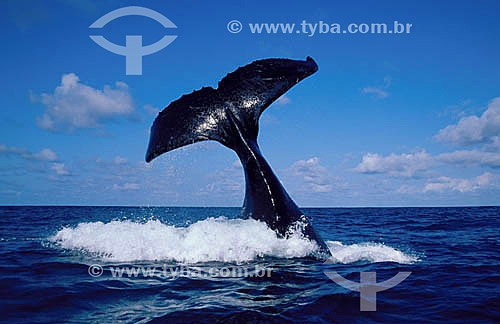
(133, 49)
(368, 287)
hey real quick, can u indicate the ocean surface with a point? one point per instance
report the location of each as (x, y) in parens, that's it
(205, 265)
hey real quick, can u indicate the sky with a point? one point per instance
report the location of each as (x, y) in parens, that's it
(410, 119)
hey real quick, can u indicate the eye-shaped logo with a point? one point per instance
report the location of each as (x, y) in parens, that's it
(368, 286)
(133, 49)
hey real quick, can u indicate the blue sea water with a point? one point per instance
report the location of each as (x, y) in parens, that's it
(52, 257)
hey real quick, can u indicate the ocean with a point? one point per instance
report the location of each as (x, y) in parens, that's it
(205, 265)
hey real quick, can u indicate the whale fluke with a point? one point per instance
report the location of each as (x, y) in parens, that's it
(230, 115)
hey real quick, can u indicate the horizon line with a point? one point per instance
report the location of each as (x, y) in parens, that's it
(308, 207)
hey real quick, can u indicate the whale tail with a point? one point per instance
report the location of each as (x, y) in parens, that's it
(230, 115)
(244, 94)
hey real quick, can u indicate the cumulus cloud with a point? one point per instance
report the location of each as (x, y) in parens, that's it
(405, 165)
(490, 159)
(409, 164)
(44, 155)
(316, 177)
(47, 157)
(444, 184)
(75, 105)
(475, 130)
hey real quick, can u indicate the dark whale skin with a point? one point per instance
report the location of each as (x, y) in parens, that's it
(230, 115)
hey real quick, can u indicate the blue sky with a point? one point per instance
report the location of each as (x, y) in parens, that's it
(388, 120)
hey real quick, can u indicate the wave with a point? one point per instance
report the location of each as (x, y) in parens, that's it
(212, 239)
(368, 252)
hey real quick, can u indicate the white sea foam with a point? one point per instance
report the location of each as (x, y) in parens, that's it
(212, 239)
(368, 252)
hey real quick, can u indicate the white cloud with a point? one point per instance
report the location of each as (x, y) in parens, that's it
(316, 177)
(283, 100)
(491, 159)
(405, 165)
(44, 155)
(76, 105)
(475, 130)
(379, 92)
(443, 184)
(375, 92)
(60, 169)
(12, 150)
(126, 186)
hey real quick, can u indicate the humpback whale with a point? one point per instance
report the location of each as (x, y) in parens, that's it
(230, 115)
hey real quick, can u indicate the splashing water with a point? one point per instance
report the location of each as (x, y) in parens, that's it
(212, 239)
(369, 252)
